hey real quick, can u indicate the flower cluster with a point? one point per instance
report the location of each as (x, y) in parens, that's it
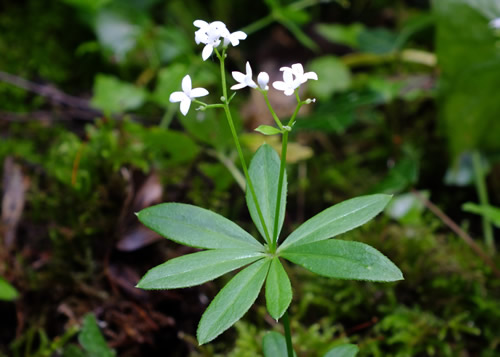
(215, 34)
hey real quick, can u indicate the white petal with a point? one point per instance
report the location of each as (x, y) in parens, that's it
(200, 37)
(249, 82)
(238, 76)
(263, 79)
(249, 69)
(288, 77)
(186, 84)
(235, 37)
(218, 25)
(311, 75)
(198, 92)
(240, 35)
(200, 23)
(185, 104)
(207, 51)
(297, 69)
(285, 69)
(279, 85)
(177, 97)
(289, 91)
(238, 86)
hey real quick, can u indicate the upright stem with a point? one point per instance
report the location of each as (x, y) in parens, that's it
(284, 144)
(288, 335)
(271, 110)
(483, 198)
(238, 146)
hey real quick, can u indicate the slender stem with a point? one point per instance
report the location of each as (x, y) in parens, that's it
(208, 106)
(259, 24)
(238, 146)
(284, 143)
(482, 192)
(297, 108)
(288, 335)
(271, 110)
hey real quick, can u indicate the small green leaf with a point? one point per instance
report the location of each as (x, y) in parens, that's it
(114, 96)
(92, 340)
(274, 345)
(264, 172)
(197, 268)
(278, 290)
(196, 227)
(347, 350)
(7, 291)
(344, 260)
(233, 301)
(490, 212)
(338, 219)
(268, 130)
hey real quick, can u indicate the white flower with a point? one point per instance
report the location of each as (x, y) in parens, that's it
(245, 80)
(234, 38)
(495, 23)
(298, 72)
(187, 95)
(288, 85)
(212, 34)
(293, 77)
(263, 79)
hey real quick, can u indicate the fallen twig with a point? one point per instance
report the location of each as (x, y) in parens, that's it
(459, 231)
(47, 91)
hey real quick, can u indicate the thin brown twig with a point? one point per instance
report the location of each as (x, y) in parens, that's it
(45, 116)
(459, 231)
(45, 90)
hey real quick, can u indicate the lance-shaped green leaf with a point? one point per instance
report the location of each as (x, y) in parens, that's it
(347, 350)
(268, 130)
(196, 227)
(338, 219)
(197, 268)
(278, 289)
(264, 172)
(92, 340)
(274, 345)
(344, 260)
(233, 301)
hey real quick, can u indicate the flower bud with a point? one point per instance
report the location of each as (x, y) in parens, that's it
(263, 80)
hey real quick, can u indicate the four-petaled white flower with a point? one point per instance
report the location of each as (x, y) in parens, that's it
(187, 95)
(293, 77)
(213, 34)
(244, 80)
(495, 23)
(288, 85)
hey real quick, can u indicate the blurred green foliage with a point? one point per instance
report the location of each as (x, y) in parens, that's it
(470, 63)
(372, 129)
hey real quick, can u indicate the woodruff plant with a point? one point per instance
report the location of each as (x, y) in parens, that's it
(229, 247)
